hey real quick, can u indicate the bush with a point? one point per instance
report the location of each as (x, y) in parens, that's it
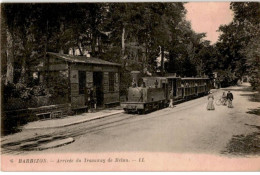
(18, 96)
(255, 83)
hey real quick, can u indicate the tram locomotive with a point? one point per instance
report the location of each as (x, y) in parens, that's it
(153, 93)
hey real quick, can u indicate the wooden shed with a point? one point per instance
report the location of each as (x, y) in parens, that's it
(85, 75)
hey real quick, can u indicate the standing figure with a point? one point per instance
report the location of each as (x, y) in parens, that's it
(210, 105)
(171, 100)
(156, 84)
(133, 83)
(95, 97)
(230, 99)
(143, 85)
(92, 99)
(224, 99)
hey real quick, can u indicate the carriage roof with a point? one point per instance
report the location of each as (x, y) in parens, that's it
(160, 78)
(195, 78)
(173, 77)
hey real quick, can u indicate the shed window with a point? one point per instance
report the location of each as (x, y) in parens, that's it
(111, 81)
(82, 82)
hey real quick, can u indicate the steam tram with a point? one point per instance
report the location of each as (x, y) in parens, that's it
(153, 93)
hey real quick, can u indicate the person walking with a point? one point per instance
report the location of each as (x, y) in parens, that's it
(171, 100)
(224, 99)
(230, 99)
(210, 105)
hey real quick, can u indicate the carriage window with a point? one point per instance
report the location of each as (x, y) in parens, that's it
(36, 78)
(82, 82)
(111, 81)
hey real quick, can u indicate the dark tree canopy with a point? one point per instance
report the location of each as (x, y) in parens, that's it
(134, 34)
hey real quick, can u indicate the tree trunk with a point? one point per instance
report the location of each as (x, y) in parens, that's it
(45, 58)
(123, 42)
(9, 53)
(23, 68)
(73, 50)
(93, 45)
(162, 60)
(99, 45)
(79, 47)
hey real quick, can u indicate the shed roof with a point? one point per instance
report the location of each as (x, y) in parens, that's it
(82, 59)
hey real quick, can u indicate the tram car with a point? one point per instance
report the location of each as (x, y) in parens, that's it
(153, 93)
(149, 96)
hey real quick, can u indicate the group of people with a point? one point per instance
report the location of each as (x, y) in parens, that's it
(226, 100)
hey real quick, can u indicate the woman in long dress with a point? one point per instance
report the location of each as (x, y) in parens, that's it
(224, 99)
(210, 105)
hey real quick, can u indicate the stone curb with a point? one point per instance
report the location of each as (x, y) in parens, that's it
(73, 123)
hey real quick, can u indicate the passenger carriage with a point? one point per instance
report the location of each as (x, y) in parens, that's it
(194, 87)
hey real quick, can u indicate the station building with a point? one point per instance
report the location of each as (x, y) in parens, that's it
(73, 78)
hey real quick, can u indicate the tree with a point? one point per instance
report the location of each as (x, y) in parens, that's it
(238, 43)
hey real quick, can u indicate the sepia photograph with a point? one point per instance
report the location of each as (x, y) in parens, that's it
(130, 86)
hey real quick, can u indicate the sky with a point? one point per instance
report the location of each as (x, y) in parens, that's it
(206, 17)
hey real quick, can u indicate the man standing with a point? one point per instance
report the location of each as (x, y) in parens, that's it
(230, 99)
(171, 99)
(92, 99)
(133, 83)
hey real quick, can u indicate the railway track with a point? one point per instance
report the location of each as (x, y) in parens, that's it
(92, 127)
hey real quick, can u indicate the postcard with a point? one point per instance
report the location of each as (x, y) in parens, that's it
(127, 86)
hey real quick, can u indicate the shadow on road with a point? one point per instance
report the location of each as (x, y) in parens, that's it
(240, 88)
(244, 145)
(254, 111)
(255, 97)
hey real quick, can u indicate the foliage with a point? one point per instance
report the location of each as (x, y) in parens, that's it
(58, 87)
(18, 96)
(238, 45)
(147, 26)
(252, 53)
(226, 78)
